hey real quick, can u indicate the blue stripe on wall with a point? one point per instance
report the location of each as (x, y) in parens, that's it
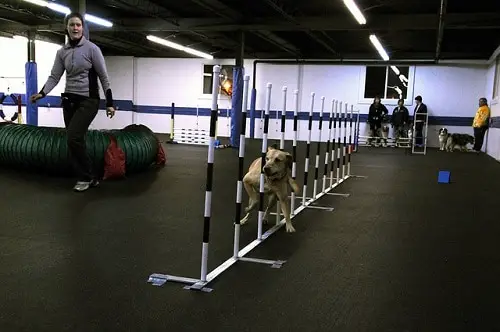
(128, 105)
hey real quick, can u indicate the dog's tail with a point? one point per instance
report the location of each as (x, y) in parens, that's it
(294, 185)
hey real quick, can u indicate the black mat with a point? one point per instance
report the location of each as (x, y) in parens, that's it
(402, 253)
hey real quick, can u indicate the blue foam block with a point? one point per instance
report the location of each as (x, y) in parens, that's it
(444, 177)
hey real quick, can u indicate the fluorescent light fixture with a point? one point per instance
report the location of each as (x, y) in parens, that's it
(37, 2)
(395, 70)
(65, 10)
(179, 47)
(58, 8)
(98, 20)
(354, 9)
(379, 48)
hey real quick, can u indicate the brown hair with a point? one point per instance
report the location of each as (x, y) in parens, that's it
(70, 16)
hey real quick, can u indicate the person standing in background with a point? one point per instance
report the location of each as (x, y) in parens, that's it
(480, 123)
(399, 120)
(84, 63)
(375, 115)
(419, 124)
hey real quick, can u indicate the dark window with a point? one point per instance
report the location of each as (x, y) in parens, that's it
(375, 81)
(387, 82)
(225, 80)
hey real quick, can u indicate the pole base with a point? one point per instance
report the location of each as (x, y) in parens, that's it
(339, 194)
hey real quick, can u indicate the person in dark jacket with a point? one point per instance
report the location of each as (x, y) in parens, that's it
(399, 120)
(375, 116)
(420, 122)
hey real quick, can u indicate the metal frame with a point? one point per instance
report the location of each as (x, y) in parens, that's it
(424, 133)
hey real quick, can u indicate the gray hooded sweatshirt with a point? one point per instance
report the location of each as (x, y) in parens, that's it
(83, 64)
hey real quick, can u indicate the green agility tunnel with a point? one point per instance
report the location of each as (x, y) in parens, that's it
(114, 153)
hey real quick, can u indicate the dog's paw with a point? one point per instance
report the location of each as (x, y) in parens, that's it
(290, 228)
(244, 220)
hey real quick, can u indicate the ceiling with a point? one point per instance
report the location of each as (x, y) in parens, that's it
(277, 29)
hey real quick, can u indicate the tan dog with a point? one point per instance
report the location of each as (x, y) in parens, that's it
(277, 176)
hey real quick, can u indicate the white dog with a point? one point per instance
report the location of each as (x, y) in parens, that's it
(443, 138)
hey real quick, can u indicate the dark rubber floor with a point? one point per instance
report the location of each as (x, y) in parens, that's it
(402, 253)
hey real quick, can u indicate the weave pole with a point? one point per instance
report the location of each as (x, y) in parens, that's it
(339, 145)
(356, 132)
(294, 145)
(327, 152)
(307, 202)
(282, 144)
(210, 173)
(241, 162)
(172, 122)
(344, 147)
(350, 142)
(263, 160)
(318, 148)
(355, 143)
(334, 136)
(159, 279)
(308, 149)
(19, 110)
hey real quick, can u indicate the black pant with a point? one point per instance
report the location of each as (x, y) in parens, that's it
(479, 137)
(79, 112)
(375, 131)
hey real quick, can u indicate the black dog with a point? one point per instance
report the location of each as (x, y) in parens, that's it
(460, 140)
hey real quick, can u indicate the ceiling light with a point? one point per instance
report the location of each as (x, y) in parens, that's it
(395, 70)
(58, 8)
(379, 47)
(65, 10)
(98, 20)
(353, 8)
(37, 2)
(179, 47)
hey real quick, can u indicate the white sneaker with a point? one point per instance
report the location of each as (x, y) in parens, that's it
(85, 185)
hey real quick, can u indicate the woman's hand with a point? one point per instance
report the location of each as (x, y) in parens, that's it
(35, 97)
(110, 112)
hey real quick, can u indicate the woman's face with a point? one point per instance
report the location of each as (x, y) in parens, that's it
(377, 100)
(400, 103)
(75, 28)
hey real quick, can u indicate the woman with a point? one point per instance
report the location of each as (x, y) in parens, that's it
(375, 116)
(399, 120)
(84, 63)
(481, 123)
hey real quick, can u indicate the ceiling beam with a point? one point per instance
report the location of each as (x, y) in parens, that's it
(442, 12)
(333, 23)
(280, 10)
(230, 14)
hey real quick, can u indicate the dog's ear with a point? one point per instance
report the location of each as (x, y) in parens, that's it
(272, 147)
(289, 160)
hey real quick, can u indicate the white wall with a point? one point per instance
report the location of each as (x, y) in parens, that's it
(450, 91)
(13, 58)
